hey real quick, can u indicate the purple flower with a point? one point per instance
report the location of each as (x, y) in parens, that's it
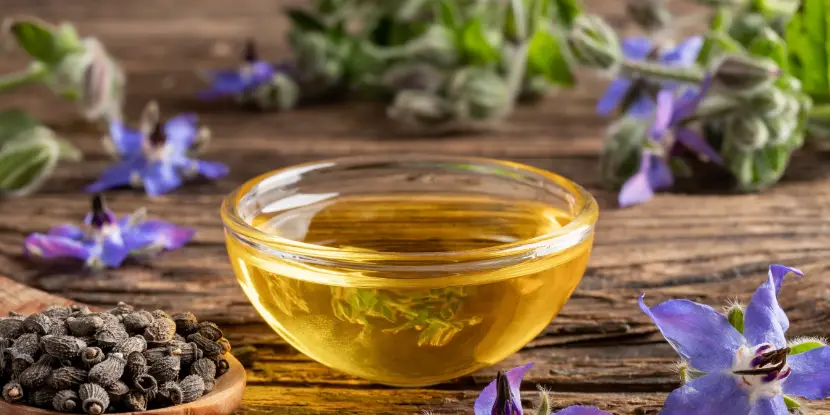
(251, 74)
(637, 91)
(582, 410)
(668, 131)
(105, 241)
(160, 160)
(501, 396)
(745, 372)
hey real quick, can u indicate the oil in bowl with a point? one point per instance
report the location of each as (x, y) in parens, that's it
(409, 271)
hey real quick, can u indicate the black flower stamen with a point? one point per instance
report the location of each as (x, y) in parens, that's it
(776, 358)
(503, 395)
(250, 54)
(99, 212)
(157, 137)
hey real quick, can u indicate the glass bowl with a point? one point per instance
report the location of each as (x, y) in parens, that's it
(409, 270)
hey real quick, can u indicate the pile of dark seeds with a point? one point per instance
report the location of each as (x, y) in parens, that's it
(71, 359)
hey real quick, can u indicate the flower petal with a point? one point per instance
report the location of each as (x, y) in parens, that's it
(659, 173)
(613, 96)
(685, 54)
(663, 114)
(181, 130)
(67, 231)
(113, 252)
(582, 410)
(637, 47)
(157, 232)
(695, 142)
(160, 178)
(261, 72)
(641, 107)
(764, 320)
(715, 393)
(224, 82)
(484, 402)
(212, 169)
(686, 106)
(653, 174)
(810, 376)
(48, 246)
(697, 332)
(118, 175)
(125, 140)
(770, 406)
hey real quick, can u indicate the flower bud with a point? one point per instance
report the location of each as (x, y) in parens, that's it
(437, 46)
(805, 345)
(623, 147)
(747, 132)
(594, 44)
(413, 76)
(282, 93)
(769, 102)
(316, 57)
(651, 15)
(479, 94)
(544, 407)
(744, 75)
(418, 108)
(735, 315)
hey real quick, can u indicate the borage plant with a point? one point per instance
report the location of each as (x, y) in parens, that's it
(441, 63)
(77, 69)
(727, 112)
(741, 363)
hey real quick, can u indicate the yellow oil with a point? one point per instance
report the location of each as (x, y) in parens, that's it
(405, 330)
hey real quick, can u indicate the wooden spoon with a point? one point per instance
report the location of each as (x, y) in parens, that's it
(222, 400)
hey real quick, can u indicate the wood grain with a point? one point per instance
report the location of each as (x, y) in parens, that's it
(600, 351)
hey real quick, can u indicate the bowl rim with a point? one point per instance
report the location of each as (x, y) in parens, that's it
(581, 226)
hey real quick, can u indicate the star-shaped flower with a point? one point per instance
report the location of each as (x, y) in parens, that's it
(158, 156)
(105, 241)
(241, 80)
(745, 373)
(638, 93)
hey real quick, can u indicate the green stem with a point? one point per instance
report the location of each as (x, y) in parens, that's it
(518, 67)
(35, 73)
(692, 75)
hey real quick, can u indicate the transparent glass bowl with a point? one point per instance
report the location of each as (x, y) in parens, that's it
(409, 270)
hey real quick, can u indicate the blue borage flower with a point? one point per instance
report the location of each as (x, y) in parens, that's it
(637, 92)
(230, 82)
(745, 372)
(502, 397)
(105, 241)
(157, 157)
(667, 132)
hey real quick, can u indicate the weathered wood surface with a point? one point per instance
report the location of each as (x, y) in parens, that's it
(601, 350)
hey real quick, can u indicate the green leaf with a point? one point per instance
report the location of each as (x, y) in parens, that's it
(67, 151)
(791, 403)
(475, 45)
(546, 57)
(13, 122)
(566, 11)
(805, 346)
(26, 163)
(808, 38)
(38, 40)
(719, 25)
(305, 21)
(448, 14)
(770, 45)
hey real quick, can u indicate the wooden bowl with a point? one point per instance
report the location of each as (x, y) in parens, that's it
(222, 400)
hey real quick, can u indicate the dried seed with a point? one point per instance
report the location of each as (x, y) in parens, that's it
(92, 356)
(166, 368)
(12, 392)
(57, 312)
(109, 318)
(42, 398)
(85, 325)
(58, 328)
(35, 375)
(117, 391)
(209, 348)
(186, 323)
(209, 384)
(110, 335)
(193, 386)
(222, 365)
(190, 352)
(171, 392)
(27, 343)
(66, 401)
(78, 311)
(62, 347)
(132, 344)
(160, 314)
(225, 344)
(205, 368)
(157, 353)
(5, 357)
(210, 331)
(11, 327)
(37, 323)
(94, 399)
(20, 362)
(137, 321)
(121, 308)
(108, 371)
(178, 338)
(66, 377)
(161, 330)
(136, 365)
(146, 384)
(136, 401)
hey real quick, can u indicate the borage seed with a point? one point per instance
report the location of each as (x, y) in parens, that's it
(165, 369)
(193, 386)
(209, 348)
(136, 322)
(210, 331)
(108, 371)
(136, 401)
(117, 391)
(92, 356)
(85, 325)
(136, 365)
(35, 375)
(27, 343)
(94, 399)
(171, 392)
(37, 323)
(13, 392)
(62, 347)
(222, 365)
(67, 377)
(110, 335)
(132, 344)
(42, 398)
(11, 327)
(66, 401)
(146, 384)
(205, 368)
(186, 323)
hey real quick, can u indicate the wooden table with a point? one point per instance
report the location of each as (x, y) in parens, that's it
(600, 351)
